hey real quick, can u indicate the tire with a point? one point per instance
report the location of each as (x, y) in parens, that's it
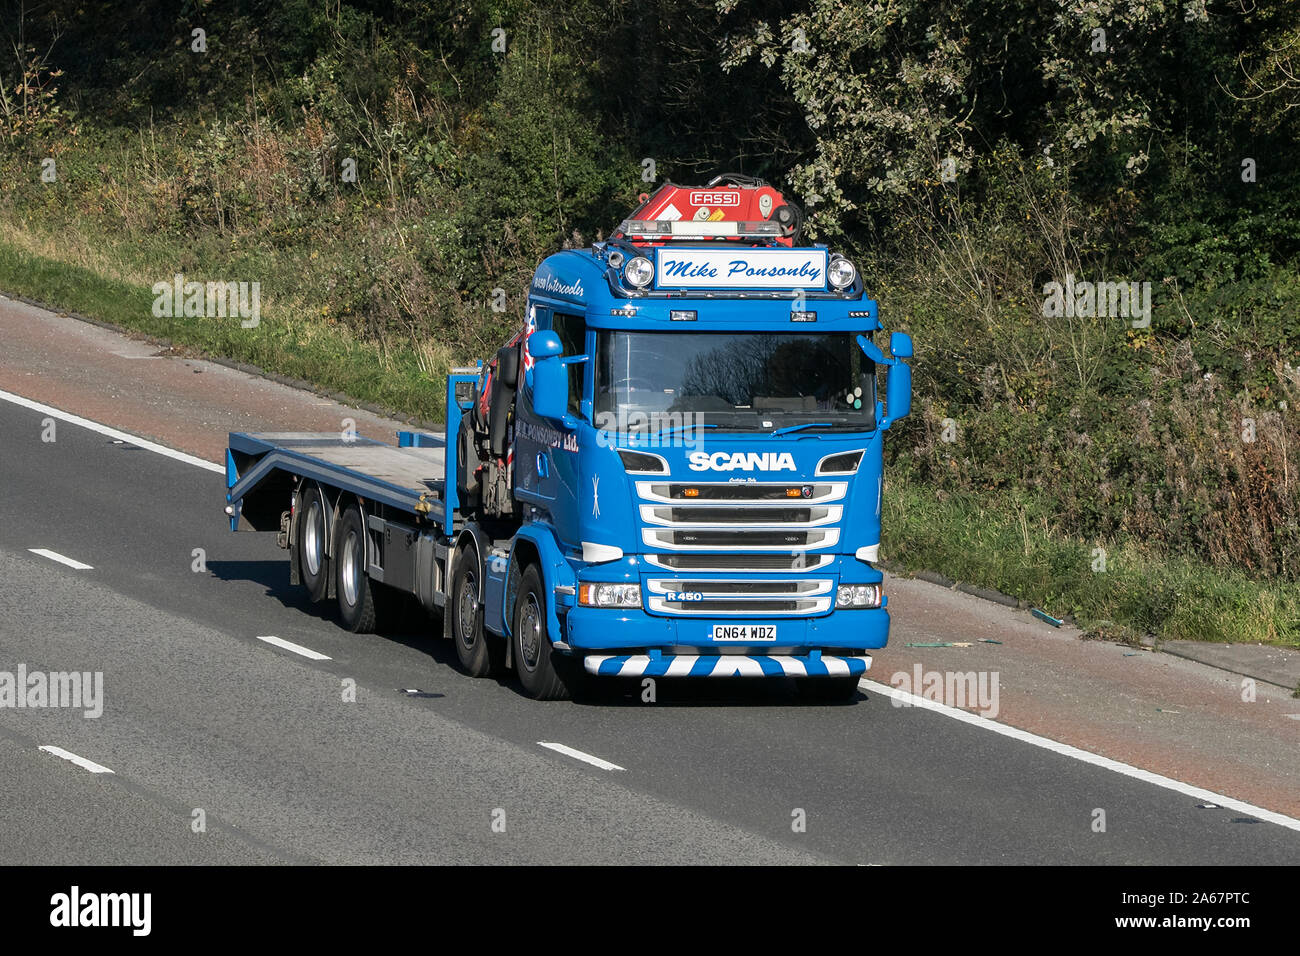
(544, 672)
(353, 587)
(312, 534)
(828, 690)
(480, 653)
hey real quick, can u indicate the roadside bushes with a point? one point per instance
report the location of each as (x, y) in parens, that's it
(1181, 438)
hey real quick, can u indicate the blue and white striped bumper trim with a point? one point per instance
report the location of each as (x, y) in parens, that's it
(724, 665)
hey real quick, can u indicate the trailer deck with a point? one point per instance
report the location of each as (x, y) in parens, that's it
(411, 477)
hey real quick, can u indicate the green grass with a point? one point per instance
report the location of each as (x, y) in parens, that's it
(286, 342)
(1004, 544)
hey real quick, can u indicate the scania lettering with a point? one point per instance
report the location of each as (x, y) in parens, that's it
(745, 461)
(672, 470)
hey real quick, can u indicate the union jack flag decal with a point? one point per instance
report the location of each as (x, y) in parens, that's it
(529, 328)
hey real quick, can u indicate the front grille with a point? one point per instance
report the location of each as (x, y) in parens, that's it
(742, 492)
(740, 540)
(740, 562)
(747, 587)
(731, 598)
(772, 526)
(755, 517)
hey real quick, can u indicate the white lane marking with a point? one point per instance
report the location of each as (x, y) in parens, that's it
(62, 559)
(1065, 750)
(81, 762)
(579, 755)
(306, 652)
(111, 432)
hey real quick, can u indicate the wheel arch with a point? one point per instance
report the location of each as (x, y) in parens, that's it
(536, 546)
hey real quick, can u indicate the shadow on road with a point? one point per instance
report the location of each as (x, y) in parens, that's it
(680, 692)
(404, 621)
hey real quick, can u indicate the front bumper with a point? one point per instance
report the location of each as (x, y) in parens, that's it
(626, 634)
(657, 664)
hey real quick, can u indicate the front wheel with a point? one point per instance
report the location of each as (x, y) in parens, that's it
(545, 673)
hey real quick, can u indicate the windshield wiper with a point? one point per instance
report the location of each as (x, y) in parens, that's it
(677, 428)
(794, 428)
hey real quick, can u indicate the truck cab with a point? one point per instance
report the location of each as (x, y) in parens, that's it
(685, 446)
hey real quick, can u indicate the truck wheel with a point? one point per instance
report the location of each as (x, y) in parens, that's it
(353, 587)
(480, 653)
(545, 673)
(313, 562)
(828, 690)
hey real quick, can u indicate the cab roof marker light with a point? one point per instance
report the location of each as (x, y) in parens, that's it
(690, 229)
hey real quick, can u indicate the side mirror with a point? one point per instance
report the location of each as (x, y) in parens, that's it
(550, 378)
(898, 392)
(898, 387)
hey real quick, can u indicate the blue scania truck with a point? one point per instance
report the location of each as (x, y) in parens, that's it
(674, 469)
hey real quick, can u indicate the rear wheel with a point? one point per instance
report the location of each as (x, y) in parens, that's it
(313, 562)
(353, 587)
(480, 653)
(545, 673)
(828, 690)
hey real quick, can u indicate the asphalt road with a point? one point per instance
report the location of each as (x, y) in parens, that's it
(200, 714)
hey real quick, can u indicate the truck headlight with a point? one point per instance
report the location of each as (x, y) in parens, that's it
(609, 595)
(841, 273)
(639, 272)
(857, 596)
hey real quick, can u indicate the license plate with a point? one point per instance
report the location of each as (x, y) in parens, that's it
(744, 632)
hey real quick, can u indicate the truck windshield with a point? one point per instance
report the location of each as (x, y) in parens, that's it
(746, 380)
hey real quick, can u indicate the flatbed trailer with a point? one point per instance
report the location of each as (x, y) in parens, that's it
(308, 485)
(673, 469)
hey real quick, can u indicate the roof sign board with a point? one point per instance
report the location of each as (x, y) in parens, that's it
(740, 268)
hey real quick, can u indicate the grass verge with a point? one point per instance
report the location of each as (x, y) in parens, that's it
(1114, 590)
(287, 341)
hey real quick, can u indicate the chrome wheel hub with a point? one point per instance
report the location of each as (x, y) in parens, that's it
(313, 539)
(351, 570)
(466, 605)
(530, 634)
